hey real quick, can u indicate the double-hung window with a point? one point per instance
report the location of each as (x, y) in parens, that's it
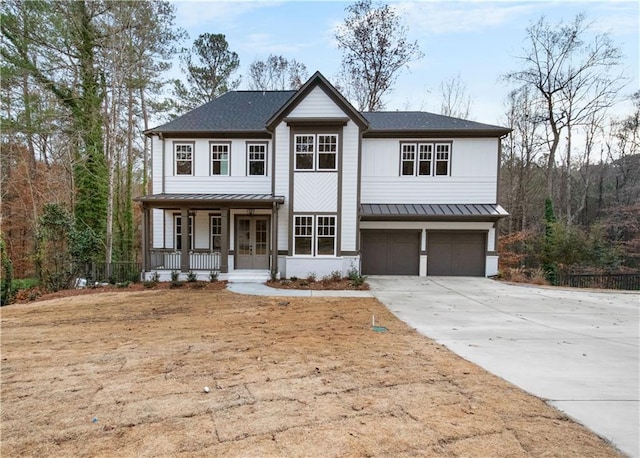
(408, 159)
(216, 233)
(219, 159)
(316, 152)
(305, 152)
(178, 231)
(314, 235)
(425, 159)
(257, 159)
(184, 158)
(443, 157)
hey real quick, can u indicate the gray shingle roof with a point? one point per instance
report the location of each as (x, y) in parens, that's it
(420, 120)
(249, 111)
(234, 111)
(438, 211)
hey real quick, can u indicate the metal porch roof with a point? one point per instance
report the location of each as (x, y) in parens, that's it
(432, 211)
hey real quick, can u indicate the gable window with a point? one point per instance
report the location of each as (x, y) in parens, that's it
(220, 159)
(257, 160)
(314, 235)
(178, 233)
(216, 233)
(408, 161)
(442, 159)
(305, 152)
(184, 158)
(316, 152)
(425, 159)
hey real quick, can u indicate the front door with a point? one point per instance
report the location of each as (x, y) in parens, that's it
(252, 242)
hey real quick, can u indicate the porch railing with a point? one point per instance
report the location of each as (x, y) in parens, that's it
(171, 260)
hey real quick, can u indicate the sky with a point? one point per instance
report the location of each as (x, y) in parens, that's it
(478, 40)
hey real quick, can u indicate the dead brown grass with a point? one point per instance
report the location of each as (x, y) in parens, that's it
(122, 374)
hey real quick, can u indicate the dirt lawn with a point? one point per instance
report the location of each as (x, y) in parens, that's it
(122, 374)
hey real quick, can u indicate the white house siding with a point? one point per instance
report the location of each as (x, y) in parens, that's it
(281, 188)
(156, 165)
(315, 192)
(472, 180)
(238, 182)
(158, 228)
(316, 104)
(350, 166)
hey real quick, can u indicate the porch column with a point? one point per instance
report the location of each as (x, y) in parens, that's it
(145, 238)
(224, 242)
(274, 238)
(184, 237)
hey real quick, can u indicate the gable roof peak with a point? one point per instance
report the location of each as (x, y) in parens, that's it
(318, 80)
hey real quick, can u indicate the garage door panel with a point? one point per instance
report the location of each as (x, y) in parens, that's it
(456, 253)
(392, 252)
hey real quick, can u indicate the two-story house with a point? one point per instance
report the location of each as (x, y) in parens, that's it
(299, 182)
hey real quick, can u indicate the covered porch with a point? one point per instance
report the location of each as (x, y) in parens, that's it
(209, 234)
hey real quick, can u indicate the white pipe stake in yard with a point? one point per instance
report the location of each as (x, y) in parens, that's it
(373, 320)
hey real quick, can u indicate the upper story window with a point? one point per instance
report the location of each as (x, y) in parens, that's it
(305, 152)
(183, 158)
(257, 159)
(443, 156)
(425, 159)
(316, 152)
(219, 158)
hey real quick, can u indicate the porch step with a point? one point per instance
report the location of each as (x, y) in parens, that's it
(246, 276)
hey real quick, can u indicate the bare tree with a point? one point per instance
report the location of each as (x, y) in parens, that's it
(375, 48)
(571, 75)
(276, 73)
(455, 100)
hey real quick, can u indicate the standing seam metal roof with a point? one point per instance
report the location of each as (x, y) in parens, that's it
(435, 210)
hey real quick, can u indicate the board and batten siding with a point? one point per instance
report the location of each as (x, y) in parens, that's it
(350, 166)
(473, 179)
(281, 185)
(156, 165)
(316, 104)
(238, 182)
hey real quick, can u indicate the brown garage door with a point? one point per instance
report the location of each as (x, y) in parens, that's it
(456, 253)
(390, 252)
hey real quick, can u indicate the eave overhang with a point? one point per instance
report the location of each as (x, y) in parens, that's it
(203, 201)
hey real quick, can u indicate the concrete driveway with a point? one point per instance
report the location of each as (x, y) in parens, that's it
(577, 349)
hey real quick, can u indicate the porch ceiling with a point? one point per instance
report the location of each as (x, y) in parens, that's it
(209, 200)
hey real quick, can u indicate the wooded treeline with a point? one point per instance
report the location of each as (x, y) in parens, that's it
(82, 79)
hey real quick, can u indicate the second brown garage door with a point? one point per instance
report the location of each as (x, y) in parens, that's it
(390, 252)
(456, 253)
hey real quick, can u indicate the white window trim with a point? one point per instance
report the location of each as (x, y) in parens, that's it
(315, 236)
(211, 160)
(175, 158)
(313, 231)
(175, 231)
(334, 236)
(435, 159)
(211, 234)
(316, 153)
(265, 160)
(434, 155)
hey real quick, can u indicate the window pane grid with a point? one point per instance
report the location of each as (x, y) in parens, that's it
(219, 159)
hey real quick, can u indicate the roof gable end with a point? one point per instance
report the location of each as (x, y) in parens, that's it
(318, 80)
